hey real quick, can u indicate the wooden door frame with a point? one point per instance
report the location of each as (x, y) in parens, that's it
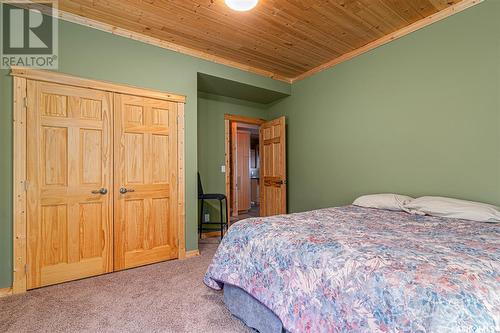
(20, 76)
(228, 120)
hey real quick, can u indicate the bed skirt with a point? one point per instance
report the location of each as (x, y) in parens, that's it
(253, 313)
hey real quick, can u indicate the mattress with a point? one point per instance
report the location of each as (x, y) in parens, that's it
(365, 270)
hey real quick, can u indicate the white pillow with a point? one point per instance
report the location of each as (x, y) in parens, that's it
(387, 201)
(454, 208)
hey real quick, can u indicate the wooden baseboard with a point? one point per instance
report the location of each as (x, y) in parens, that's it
(192, 254)
(5, 292)
(210, 234)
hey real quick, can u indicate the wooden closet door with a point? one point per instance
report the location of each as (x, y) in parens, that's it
(145, 181)
(69, 173)
(272, 140)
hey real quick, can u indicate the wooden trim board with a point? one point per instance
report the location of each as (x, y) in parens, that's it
(192, 254)
(243, 119)
(227, 162)
(56, 77)
(4, 292)
(233, 145)
(210, 234)
(456, 8)
(19, 186)
(181, 183)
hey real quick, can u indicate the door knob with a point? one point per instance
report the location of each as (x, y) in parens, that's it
(124, 190)
(100, 191)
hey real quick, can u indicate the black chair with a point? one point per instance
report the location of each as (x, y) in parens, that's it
(211, 196)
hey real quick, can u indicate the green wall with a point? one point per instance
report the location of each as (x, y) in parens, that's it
(98, 55)
(211, 111)
(417, 116)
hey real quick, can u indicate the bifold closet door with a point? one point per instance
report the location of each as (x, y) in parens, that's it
(145, 188)
(69, 179)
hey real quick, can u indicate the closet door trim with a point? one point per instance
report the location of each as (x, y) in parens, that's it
(69, 80)
(19, 278)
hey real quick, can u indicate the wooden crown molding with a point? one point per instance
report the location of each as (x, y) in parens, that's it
(56, 77)
(444, 13)
(456, 8)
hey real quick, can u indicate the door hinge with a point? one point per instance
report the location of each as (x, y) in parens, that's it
(26, 185)
(26, 269)
(26, 102)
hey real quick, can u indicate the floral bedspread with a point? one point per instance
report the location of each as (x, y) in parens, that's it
(353, 269)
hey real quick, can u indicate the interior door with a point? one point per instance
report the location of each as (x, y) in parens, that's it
(243, 170)
(145, 181)
(69, 178)
(272, 140)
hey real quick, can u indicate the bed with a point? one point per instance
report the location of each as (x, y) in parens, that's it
(353, 269)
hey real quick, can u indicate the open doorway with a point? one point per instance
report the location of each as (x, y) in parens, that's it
(255, 166)
(243, 166)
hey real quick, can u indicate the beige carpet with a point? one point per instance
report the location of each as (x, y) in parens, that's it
(165, 297)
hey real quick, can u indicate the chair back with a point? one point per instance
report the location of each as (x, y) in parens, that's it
(200, 186)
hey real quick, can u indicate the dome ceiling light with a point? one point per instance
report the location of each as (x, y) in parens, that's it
(241, 5)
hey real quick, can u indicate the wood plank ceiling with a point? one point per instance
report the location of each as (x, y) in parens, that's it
(284, 39)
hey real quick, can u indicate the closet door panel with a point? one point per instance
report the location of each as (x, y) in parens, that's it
(69, 156)
(145, 181)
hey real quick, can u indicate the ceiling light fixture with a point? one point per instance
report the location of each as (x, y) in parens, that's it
(241, 5)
